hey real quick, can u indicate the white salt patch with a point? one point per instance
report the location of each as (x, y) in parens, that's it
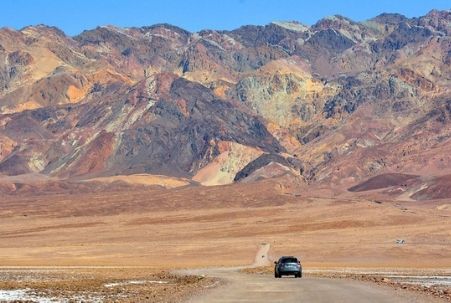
(28, 295)
(133, 282)
(23, 295)
(10, 295)
(212, 285)
(425, 280)
(422, 280)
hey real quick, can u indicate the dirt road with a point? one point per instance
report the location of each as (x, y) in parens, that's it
(238, 286)
(241, 287)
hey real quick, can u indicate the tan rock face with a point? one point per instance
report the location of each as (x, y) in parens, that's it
(333, 103)
(6, 147)
(233, 157)
(273, 96)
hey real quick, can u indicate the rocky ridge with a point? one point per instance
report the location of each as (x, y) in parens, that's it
(333, 103)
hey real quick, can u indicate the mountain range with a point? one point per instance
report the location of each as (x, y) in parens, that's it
(337, 103)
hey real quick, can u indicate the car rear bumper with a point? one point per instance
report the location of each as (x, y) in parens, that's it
(291, 272)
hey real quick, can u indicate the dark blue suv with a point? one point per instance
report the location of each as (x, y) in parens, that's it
(287, 266)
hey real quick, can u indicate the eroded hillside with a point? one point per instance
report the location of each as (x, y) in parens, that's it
(332, 103)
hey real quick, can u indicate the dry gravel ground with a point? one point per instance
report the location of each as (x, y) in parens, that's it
(97, 285)
(198, 227)
(220, 226)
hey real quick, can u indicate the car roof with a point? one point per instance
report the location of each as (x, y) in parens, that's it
(288, 257)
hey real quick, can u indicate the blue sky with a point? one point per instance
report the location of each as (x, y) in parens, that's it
(73, 16)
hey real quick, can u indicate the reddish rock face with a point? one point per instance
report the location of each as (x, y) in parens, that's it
(334, 103)
(96, 155)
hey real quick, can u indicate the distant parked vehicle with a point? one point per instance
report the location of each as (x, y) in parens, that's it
(288, 266)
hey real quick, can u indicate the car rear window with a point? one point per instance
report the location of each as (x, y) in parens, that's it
(289, 260)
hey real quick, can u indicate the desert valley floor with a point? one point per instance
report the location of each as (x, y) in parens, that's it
(211, 226)
(203, 227)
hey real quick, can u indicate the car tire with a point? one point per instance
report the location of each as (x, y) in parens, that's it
(297, 275)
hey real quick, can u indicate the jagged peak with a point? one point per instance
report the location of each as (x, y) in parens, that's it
(167, 26)
(389, 18)
(292, 25)
(333, 19)
(335, 22)
(444, 15)
(43, 28)
(338, 17)
(439, 12)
